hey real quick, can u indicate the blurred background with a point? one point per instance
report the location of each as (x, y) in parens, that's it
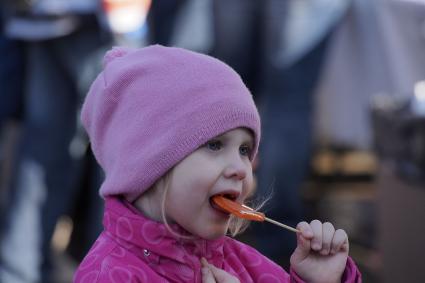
(340, 85)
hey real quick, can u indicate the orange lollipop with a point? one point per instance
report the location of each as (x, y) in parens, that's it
(245, 212)
(237, 209)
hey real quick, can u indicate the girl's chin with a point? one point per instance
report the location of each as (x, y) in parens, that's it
(212, 238)
(213, 235)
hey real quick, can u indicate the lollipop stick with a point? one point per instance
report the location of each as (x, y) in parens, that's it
(245, 212)
(282, 225)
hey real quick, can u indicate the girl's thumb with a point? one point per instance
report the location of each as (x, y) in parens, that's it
(211, 273)
(302, 250)
(207, 276)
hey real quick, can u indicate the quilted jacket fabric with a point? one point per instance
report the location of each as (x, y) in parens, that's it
(134, 249)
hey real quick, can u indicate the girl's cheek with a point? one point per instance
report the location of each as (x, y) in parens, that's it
(249, 186)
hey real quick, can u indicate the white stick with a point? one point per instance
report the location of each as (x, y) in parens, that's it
(282, 225)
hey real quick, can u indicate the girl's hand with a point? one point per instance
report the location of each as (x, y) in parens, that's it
(321, 253)
(212, 274)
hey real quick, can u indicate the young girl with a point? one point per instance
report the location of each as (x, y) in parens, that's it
(172, 128)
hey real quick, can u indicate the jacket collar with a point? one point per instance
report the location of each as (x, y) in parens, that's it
(146, 237)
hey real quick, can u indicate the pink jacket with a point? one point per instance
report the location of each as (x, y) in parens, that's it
(134, 249)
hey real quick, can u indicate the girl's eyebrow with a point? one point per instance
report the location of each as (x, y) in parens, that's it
(222, 137)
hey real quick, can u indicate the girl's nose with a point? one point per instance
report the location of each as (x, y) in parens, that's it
(236, 169)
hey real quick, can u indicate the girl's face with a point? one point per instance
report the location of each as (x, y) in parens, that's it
(221, 166)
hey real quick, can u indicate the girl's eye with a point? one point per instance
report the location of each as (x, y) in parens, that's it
(214, 145)
(245, 150)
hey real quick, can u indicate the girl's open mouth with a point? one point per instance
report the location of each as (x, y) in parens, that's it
(216, 207)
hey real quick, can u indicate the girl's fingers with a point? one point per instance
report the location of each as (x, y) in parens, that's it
(212, 274)
(303, 239)
(303, 243)
(305, 229)
(328, 232)
(222, 276)
(316, 242)
(204, 262)
(207, 276)
(339, 241)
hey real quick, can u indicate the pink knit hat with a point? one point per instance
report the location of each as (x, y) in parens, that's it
(151, 107)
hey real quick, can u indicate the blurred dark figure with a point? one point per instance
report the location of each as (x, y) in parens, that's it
(162, 17)
(278, 48)
(11, 77)
(61, 41)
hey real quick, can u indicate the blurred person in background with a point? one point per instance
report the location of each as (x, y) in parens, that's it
(162, 19)
(278, 48)
(11, 74)
(61, 39)
(181, 23)
(11, 77)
